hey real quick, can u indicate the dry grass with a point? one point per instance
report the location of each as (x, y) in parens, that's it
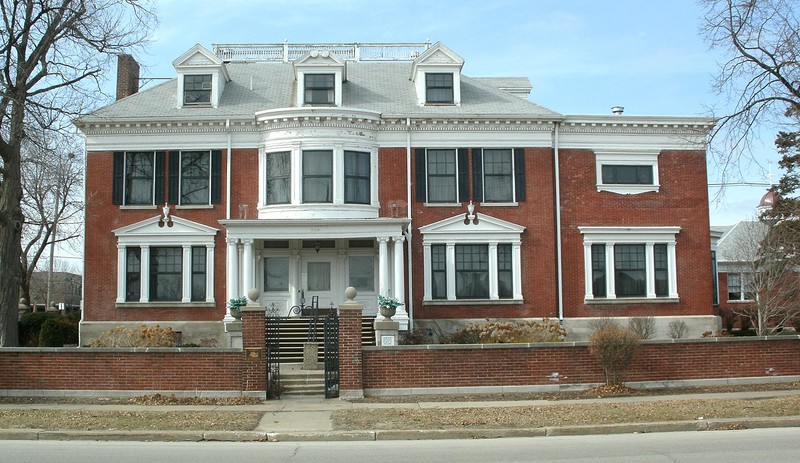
(58, 419)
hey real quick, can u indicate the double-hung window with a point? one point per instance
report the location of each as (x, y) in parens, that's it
(356, 177)
(133, 266)
(439, 88)
(630, 262)
(472, 271)
(442, 175)
(498, 175)
(197, 89)
(319, 89)
(741, 287)
(279, 177)
(138, 178)
(165, 273)
(317, 176)
(195, 177)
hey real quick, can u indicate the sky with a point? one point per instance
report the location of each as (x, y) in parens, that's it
(582, 57)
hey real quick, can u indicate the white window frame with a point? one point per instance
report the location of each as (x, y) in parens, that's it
(744, 278)
(621, 158)
(180, 177)
(648, 236)
(183, 234)
(296, 208)
(488, 231)
(428, 201)
(513, 174)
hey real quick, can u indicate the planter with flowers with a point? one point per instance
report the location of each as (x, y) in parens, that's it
(387, 306)
(235, 306)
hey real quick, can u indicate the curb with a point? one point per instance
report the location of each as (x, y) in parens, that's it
(718, 424)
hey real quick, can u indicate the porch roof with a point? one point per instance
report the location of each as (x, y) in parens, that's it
(271, 229)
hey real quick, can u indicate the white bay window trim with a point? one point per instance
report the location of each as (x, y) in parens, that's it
(647, 236)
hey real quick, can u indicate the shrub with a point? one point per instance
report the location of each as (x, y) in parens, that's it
(614, 348)
(143, 336)
(601, 323)
(58, 331)
(510, 331)
(677, 329)
(416, 337)
(30, 327)
(645, 327)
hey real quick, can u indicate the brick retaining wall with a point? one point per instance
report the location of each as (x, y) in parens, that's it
(121, 369)
(408, 367)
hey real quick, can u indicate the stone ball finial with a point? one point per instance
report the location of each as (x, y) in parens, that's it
(253, 294)
(350, 293)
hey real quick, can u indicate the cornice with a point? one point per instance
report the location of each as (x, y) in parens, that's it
(636, 125)
(168, 127)
(442, 124)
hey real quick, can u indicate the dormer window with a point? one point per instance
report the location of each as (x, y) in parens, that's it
(439, 88)
(319, 89)
(197, 89)
(201, 78)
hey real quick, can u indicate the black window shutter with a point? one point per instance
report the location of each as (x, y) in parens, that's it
(161, 161)
(519, 174)
(174, 176)
(477, 174)
(118, 177)
(419, 160)
(216, 177)
(463, 175)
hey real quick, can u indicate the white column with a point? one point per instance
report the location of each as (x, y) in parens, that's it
(338, 173)
(232, 272)
(294, 278)
(383, 265)
(493, 294)
(427, 274)
(186, 274)
(587, 265)
(611, 287)
(296, 178)
(650, 270)
(399, 282)
(516, 259)
(121, 270)
(672, 270)
(210, 272)
(450, 255)
(144, 274)
(247, 266)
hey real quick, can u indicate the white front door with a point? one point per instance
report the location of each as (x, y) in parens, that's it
(317, 278)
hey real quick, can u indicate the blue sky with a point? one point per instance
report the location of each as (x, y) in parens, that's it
(582, 57)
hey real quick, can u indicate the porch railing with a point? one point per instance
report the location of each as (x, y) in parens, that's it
(291, 51)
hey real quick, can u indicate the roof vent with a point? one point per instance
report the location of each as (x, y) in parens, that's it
(617, 110)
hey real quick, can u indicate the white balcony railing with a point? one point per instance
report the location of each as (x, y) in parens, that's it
(348, 51)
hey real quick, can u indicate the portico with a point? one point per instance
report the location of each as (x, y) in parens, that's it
(294, 258)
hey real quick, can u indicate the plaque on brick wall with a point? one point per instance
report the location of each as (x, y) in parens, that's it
(254, 353)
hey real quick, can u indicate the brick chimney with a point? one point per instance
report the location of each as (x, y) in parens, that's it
(127, 76)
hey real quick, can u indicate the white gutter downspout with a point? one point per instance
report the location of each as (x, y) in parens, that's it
(228, 173)
(559, 271)
(410, 300)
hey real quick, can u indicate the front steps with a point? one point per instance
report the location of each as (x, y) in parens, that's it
(294, 333)
(298, 382)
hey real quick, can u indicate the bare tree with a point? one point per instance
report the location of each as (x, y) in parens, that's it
(768, 275)
(52, 54)
(51, 204)
(761, 77)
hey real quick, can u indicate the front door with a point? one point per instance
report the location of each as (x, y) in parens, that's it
(317, 279)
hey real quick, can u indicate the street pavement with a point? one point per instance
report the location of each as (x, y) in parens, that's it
(300, 418)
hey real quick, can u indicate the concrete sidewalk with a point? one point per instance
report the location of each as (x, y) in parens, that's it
(309, 419)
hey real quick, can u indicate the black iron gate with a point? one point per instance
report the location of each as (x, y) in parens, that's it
(272, 328)
(331, 356)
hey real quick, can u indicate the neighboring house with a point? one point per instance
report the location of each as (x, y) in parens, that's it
(303, 169)
(65, 288)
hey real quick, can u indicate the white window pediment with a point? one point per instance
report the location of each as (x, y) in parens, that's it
(319, 63)
(483, 228)
(438, 59)
(155, 232)
(199, 61)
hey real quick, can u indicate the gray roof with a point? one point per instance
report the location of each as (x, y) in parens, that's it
(384, 87)
(740, 242)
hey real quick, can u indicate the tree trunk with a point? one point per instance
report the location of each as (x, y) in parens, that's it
(10, 229)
